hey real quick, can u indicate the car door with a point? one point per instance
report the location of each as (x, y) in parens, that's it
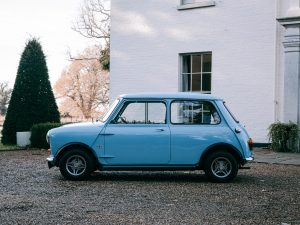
(138, 135)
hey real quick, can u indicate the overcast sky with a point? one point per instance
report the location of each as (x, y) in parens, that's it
(48, 20)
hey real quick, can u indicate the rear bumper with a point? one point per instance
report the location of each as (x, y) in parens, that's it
(249, 159)
(51, 162)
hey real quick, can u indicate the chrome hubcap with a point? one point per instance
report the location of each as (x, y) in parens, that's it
(221, 167)
(76, 165)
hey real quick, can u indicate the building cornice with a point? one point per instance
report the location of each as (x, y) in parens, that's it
(285, 21)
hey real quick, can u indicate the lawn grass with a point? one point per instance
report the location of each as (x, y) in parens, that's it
(8, 147)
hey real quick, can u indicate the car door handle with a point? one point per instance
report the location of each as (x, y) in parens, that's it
(160, 129)
(107, 134)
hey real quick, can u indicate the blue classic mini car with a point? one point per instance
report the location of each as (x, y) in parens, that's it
(154, 131)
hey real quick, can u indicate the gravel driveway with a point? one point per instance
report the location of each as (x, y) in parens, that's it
(30, 193)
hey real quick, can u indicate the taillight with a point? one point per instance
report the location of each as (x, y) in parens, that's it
(49, 150)
(250, 143)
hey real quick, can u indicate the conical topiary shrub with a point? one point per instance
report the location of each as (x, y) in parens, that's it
(32, 100)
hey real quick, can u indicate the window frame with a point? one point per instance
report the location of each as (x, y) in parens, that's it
(201, 73)
(197, 4)
(230, 113)
(127, 102)
(110, 111)
(194, 124)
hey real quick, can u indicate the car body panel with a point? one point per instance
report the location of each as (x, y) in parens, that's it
(190, 141)
(84, 134)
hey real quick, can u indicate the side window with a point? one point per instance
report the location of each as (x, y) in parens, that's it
(142, 113)
(134, 113)
(194, 112)
(156, 113)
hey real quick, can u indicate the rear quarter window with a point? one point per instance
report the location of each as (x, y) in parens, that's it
(194, 112)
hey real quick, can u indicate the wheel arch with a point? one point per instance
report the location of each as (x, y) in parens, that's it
(79, 146)
(218, 147)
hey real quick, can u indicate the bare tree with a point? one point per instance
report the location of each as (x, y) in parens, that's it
(85, 94)
(83, 87)
(94, 22)
(5, 93)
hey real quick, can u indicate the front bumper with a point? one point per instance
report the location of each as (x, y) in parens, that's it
(51, 162)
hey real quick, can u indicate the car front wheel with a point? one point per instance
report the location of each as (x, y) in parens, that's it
(221, 167)
(76, 165)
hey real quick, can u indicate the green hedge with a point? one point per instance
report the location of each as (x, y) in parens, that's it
(39, 132)
(284, 137)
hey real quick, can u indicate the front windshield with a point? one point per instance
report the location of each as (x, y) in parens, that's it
(111, 109)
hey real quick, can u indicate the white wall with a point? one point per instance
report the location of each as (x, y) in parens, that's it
(148, 35)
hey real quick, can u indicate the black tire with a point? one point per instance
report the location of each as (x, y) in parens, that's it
(76, 165)
(221, 167)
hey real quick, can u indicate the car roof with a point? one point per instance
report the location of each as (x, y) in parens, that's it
(169, 95)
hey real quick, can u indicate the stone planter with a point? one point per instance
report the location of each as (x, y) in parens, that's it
(23, 138)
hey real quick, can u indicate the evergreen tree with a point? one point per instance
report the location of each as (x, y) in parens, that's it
(32, 100)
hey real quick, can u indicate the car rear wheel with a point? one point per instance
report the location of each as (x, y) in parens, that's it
(221, 167)
(76, 165)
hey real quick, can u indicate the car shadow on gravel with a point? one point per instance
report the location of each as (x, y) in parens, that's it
(162, 176)
(149, 176)
(158, 176)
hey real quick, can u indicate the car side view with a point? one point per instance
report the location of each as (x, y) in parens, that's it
(154, 131)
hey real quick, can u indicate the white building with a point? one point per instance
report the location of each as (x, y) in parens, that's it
(245, 51)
